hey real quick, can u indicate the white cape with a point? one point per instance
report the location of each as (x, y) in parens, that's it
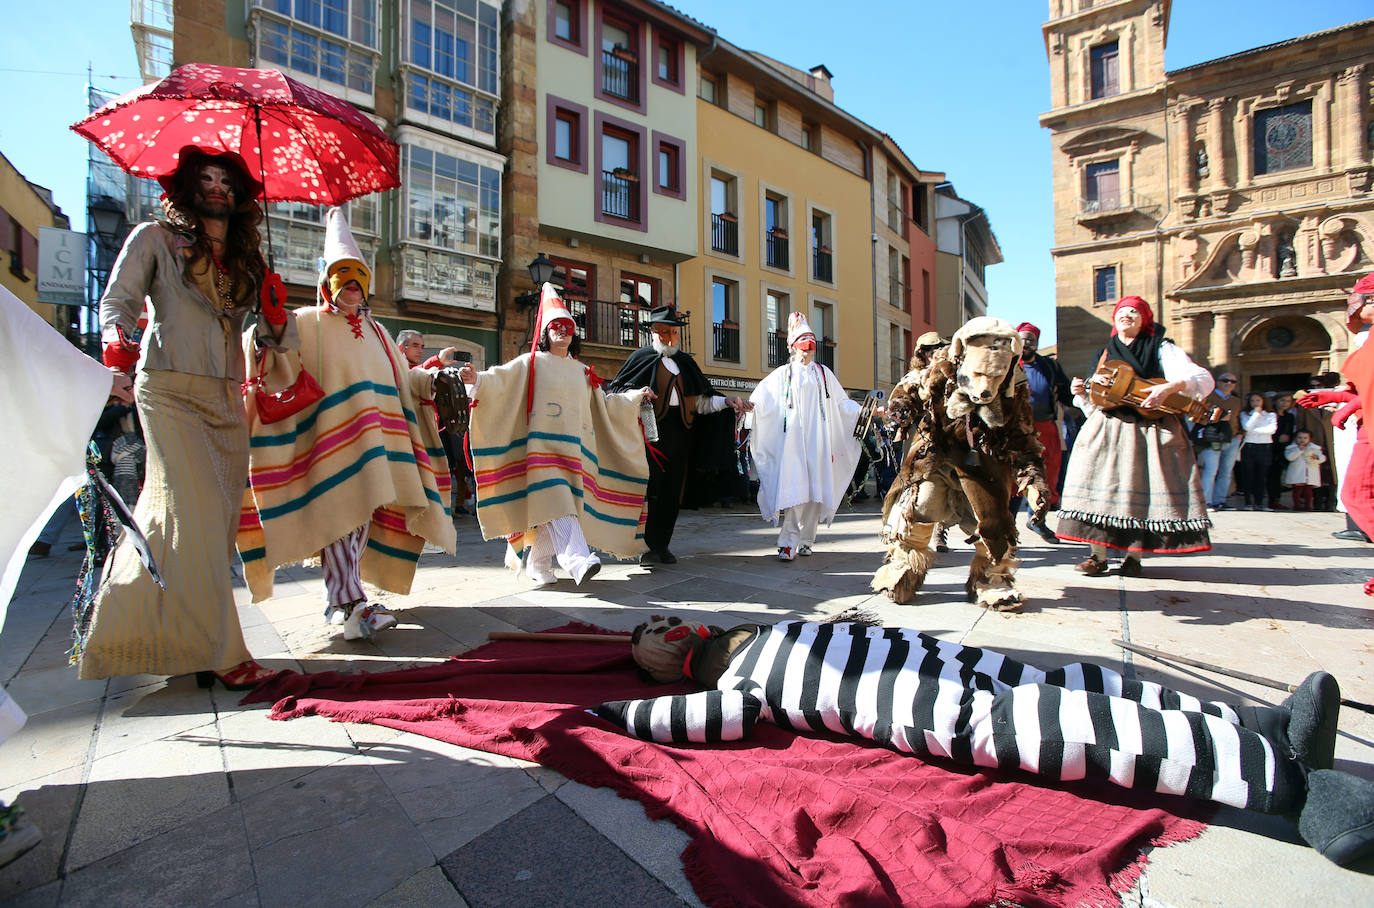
(51, 397)
(803, 440)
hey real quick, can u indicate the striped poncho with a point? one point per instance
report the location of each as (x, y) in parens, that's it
(366, 453)
(579, 452)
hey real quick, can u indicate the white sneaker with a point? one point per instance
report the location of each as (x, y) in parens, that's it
(543, 578)
(366, 620)
(785, 553)
(590, 569)
(336, 615)
(804, 550)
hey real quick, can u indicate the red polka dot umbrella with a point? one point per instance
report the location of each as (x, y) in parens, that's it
(304, 144)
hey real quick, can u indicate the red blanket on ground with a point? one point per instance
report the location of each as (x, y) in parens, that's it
(779, 819)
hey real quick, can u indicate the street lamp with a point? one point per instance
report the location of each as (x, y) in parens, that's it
(541, 272)
(107, 226)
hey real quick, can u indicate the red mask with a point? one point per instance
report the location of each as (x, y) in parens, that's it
(805, 344)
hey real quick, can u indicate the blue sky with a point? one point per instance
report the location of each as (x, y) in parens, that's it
(958, 84)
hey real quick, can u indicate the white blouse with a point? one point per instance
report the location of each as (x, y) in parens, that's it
(1259, 426)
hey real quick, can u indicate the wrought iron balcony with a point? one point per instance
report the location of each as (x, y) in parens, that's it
(620, 194)
(825, 353)
(896, 217)
(777, 249)
(726, 336)
(1119, 204)
(725, 233)
(896, 293)
(823, 266)
(620, 74)
(777, 349)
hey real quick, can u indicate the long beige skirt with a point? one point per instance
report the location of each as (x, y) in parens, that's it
(197, 465)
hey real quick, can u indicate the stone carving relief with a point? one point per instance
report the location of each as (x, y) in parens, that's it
(1190, 248)
(1273, 249)
(1345, 243)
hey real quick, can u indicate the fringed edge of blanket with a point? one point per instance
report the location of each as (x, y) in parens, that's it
(1110, 521)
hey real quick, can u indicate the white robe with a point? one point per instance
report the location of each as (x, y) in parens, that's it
(803, 442)
(51, 397)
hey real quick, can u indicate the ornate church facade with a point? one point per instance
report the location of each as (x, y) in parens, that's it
(1234, 195)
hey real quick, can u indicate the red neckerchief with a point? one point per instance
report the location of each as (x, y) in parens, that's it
(704, 634)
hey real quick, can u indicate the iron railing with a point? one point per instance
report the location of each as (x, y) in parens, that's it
(620, 75)
(823, 267)
(896, 293)
(1124, 201)
(726, 337)
(777, 250)
(620, 195)
(725, 233)
(896, 217)
(777, 349)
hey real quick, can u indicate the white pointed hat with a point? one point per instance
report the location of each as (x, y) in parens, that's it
(551, 309)
(797, 328)
(340, 249)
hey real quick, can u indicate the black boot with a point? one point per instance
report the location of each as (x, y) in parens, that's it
(1313, 709)
(1338, 818)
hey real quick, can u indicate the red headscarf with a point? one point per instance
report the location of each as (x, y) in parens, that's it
(1147, 316)
(1027, 326)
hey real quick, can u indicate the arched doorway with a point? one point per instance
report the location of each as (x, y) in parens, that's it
(1281, 352)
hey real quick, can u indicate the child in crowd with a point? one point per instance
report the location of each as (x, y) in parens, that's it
(1304, 469)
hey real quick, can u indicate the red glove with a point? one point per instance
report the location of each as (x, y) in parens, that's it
(1369, 587)
(1344, 413)
(1313, 399)
(273, 299)
(121, 354)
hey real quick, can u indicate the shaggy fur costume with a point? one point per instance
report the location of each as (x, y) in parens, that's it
(965, 462)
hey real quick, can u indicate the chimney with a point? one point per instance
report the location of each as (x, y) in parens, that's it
(820, 82)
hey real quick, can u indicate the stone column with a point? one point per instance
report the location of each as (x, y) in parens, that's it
(1183, 158)
(1216, 155)
(1220, 353)
(1352, 99)
(1187, 335)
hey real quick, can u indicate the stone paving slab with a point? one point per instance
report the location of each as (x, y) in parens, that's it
(152, 792)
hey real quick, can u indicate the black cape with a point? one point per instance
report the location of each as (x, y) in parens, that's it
(639, 372)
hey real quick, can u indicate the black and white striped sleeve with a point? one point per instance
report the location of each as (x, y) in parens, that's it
(705, 717)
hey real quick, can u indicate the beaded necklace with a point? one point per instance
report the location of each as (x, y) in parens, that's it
(224, 284)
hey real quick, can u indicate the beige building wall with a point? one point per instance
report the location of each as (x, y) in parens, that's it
(1243, 208)
(566, 199)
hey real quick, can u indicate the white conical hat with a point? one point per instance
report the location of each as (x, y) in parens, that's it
(797, 328)
(551, 308)
(340, 247)
(338, 238)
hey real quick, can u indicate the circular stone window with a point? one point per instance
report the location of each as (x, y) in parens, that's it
(1279, 337)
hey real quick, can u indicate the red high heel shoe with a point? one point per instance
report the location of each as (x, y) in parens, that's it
(244, 676)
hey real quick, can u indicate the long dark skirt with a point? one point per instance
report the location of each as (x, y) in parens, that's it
(1133, 484)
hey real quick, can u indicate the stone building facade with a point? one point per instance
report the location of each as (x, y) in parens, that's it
(1234, 195)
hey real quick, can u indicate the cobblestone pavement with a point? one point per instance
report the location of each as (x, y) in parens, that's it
(152, 792)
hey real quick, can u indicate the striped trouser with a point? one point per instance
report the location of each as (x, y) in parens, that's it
(931, 697)
(562, 538)
(343, 582)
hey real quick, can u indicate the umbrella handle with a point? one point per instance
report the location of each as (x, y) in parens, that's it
(262, 175)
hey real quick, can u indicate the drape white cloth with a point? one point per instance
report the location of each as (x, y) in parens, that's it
(803, 439)
(51, 397)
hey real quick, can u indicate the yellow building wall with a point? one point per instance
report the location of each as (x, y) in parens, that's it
(20, 202)
(761, 162)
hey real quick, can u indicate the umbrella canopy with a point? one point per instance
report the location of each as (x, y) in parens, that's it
(305, 145)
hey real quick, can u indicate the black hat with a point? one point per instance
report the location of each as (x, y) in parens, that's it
(665, 315)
